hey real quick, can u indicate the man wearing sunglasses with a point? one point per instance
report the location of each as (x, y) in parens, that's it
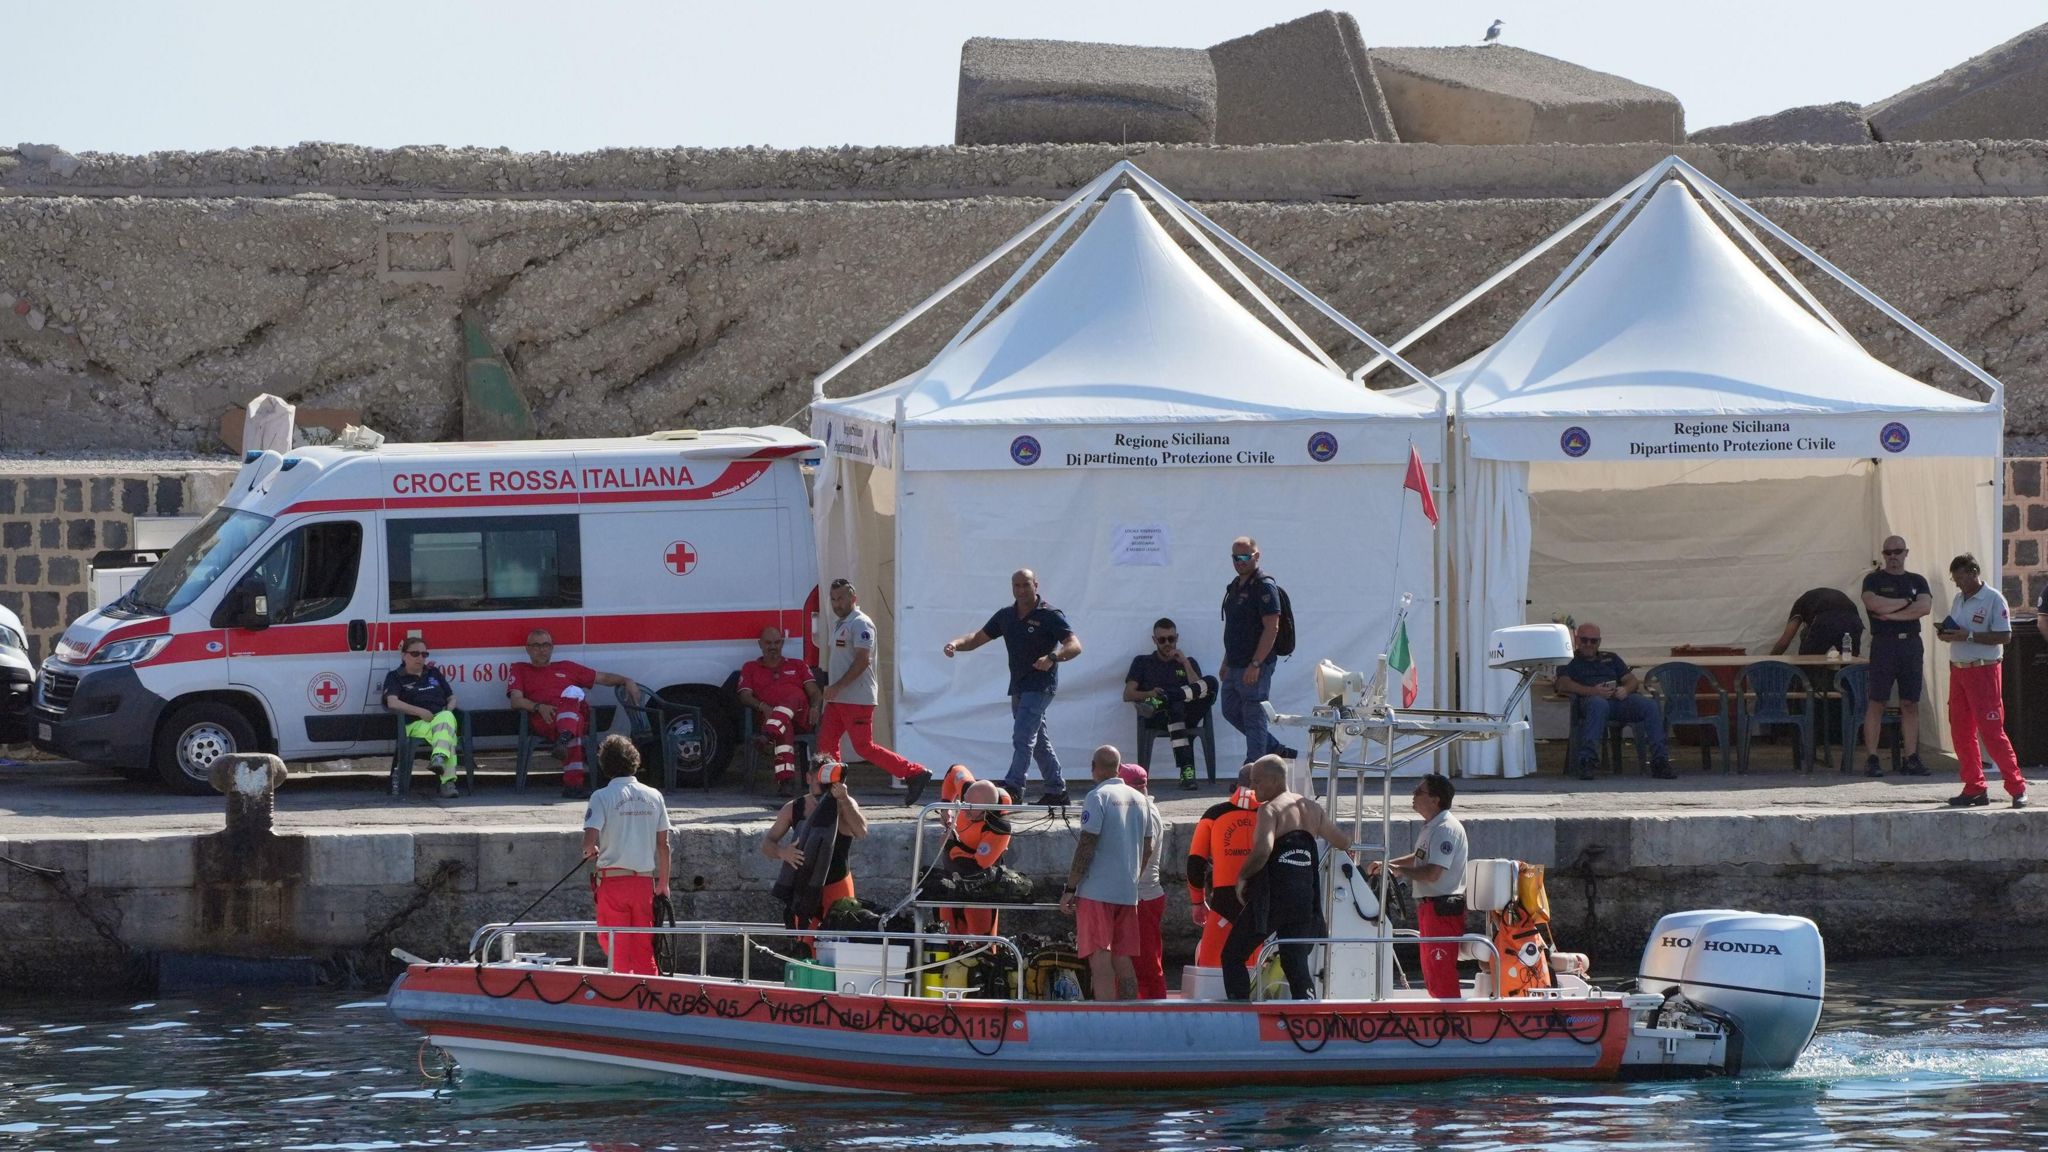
(1172, 694)
(1897, 601)
(1609, 692)
(1251, 627)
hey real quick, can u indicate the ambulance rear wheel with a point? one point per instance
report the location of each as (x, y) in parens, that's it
(706, 748)
(195, 736)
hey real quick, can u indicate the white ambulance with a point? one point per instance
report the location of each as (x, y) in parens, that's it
(272, 624)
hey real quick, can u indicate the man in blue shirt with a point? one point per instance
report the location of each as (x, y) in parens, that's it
(1251, 626)
(1039, 641)
(1897, 601)
(1607, 691)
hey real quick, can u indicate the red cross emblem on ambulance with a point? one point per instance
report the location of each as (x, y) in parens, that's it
(680, 556)
(326, 692)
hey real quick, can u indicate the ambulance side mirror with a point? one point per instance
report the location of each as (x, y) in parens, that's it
(247, 607)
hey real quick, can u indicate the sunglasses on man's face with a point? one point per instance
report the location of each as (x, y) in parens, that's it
(1895, 551)
(1589, 639)
(1166, 639)
(1241, 557)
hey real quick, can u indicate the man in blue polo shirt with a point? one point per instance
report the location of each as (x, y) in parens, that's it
(1608, 691)
(1039, 641)
(1251, 626)
(1897, 601)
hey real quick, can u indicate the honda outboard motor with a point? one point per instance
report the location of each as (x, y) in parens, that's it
(1763, 974)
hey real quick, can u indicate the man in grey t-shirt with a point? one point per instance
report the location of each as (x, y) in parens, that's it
(850, 694)
(1116, 847)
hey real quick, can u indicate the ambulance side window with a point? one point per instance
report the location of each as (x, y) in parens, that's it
(484, 563)
(311, 574)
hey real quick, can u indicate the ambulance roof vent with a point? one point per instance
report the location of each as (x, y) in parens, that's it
(674, 434)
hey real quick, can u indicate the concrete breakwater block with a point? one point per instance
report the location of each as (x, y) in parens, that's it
(1503, 95)
(1999, 95)
(1299, 82)
(1840, 123)
(1066, 92)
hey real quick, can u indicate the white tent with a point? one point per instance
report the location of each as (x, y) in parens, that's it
(1673, 445)
(1113, 429)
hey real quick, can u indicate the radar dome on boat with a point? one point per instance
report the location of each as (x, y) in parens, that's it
(1527, 646)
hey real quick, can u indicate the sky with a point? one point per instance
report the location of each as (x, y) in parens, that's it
(99, 75)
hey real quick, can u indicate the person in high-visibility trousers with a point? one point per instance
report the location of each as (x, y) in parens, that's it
(417, 689)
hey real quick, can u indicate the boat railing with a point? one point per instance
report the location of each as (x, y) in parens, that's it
(501, 939)
(1404, 936)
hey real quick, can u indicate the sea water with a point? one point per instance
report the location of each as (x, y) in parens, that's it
(1922, 1054)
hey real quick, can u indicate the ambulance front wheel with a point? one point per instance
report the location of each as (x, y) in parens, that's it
(193, 737)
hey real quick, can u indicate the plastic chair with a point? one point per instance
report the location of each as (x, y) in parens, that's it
(643, 721)
(1854, 683)
(1764, 689)
(402, 753)
(1676, 684)
(1204, 735)
(1610, 748)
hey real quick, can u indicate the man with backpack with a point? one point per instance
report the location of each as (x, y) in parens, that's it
(1258, 629)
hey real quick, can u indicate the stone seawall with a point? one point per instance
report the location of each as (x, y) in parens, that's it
(136, 322)
(1880, 883)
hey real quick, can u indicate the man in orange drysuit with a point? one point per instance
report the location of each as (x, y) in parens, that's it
(976, 844)
(1223, 839)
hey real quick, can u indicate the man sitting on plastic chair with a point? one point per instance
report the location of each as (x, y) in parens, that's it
(555, 695)
(417, 689)
(787, 697)
(1609, 693)
(1171, 693)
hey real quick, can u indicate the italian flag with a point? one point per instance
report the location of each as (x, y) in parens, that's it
(1401, 661)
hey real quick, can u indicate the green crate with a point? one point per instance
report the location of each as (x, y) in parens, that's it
(798, 974)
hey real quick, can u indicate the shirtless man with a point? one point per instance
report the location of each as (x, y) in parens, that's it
(1278, 883)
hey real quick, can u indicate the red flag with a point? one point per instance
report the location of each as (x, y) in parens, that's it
(1419, 482)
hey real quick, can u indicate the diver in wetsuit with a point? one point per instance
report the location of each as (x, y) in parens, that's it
(827, 821)
(1278, 883)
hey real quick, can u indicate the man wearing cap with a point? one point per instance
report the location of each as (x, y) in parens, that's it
(1114, 851)
(1896, 600)
(851, 692)
(1151, 959)
(626, 831)
(1978, 627)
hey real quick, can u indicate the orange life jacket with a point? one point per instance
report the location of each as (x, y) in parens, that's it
(1519, 934)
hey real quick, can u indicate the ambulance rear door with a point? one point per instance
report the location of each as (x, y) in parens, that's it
(298, 628)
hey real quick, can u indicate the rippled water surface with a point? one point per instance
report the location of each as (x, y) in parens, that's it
(1922, 1054)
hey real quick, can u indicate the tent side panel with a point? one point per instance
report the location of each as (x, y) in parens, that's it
(1705, 555)
(1326, 535)
(1943, 508)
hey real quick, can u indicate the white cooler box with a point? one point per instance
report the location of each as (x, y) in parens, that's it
(857, 967)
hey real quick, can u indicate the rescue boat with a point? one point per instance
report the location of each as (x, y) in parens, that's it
(1718, 992)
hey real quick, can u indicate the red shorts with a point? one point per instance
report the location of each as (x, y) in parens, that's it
(1099, 926)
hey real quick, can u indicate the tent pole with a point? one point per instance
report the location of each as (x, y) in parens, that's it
(1166, 195)
(1784, 274)
(1989, 381)
(1079, 209)
(1494, 281)
(1086, 192)
(1283, 319)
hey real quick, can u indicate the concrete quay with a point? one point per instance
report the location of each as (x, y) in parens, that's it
(348, 873)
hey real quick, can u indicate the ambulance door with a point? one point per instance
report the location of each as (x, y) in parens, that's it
(298, 627)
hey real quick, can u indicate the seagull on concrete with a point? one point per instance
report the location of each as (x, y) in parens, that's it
(1493, 33)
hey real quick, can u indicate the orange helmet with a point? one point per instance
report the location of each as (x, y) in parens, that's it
(954, 784)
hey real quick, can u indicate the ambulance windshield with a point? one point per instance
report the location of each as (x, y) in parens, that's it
(195, 562)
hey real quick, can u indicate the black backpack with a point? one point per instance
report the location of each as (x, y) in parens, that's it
(1283, 640)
